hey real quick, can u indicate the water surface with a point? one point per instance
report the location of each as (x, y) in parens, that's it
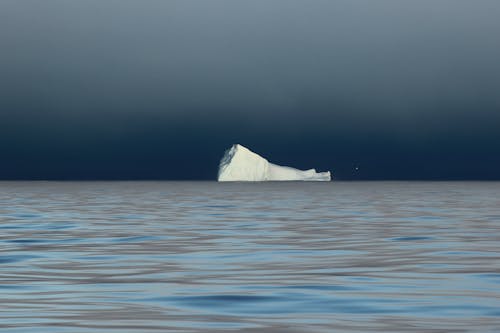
(268, 257)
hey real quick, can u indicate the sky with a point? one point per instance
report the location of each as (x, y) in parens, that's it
(145, 89)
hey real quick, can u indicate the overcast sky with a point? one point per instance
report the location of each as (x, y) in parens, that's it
(144, 89)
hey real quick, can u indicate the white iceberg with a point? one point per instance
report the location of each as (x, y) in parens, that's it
(242, 164)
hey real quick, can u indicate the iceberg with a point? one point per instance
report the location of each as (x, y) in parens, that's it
(242, 164)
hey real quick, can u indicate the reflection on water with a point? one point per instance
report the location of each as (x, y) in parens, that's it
(273, 257)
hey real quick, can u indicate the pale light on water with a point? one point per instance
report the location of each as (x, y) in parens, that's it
(281, 257)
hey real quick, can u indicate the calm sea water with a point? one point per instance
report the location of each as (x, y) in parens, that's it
(269, 257)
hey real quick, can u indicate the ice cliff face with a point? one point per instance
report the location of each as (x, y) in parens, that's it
(241, 164)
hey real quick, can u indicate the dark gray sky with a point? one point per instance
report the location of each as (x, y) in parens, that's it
(159, 89)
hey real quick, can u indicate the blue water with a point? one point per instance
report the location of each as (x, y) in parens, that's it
(268, 257)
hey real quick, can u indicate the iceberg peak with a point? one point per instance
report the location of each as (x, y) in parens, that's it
(241, 164)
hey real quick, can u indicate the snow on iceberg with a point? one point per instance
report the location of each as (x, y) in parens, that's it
(242, 164)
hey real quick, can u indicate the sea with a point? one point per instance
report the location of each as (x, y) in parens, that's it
(161, 256)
